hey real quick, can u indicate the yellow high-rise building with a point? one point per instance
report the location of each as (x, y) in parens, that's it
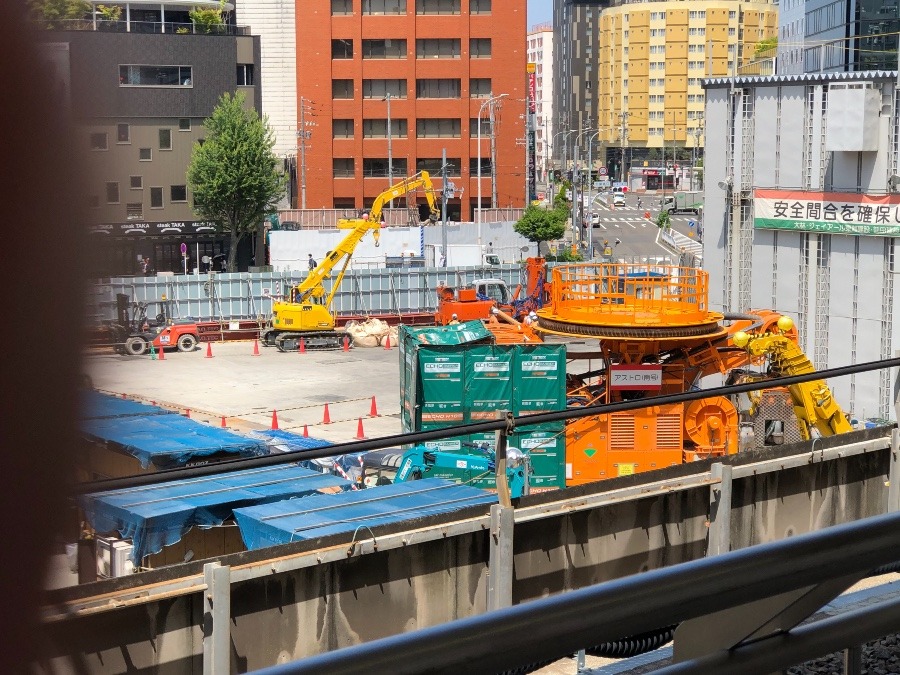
(653, 57)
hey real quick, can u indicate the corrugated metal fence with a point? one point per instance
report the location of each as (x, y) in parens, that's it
(249, 295)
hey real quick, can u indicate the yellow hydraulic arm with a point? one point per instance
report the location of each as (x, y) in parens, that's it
(814, 404)
(312, 286)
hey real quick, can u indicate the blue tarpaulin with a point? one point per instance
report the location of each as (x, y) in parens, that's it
(159, 515)
(280, 440)
(282, 522)
(95, 405)
(169, 440)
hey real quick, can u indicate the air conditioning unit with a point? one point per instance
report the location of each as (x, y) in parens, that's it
(113, 557)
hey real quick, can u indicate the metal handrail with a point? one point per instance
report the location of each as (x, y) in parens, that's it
(555, 627)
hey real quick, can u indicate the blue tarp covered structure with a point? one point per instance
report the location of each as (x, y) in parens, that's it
(280, 440)
(155, 435)
(159, 515)
(95, 405)
(318, 516)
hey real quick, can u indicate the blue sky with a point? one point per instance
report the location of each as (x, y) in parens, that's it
(539, 11)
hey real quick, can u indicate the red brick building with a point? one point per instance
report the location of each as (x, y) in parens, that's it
(426, 68)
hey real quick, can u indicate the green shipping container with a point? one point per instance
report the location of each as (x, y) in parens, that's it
(488, 382)
(539, 379)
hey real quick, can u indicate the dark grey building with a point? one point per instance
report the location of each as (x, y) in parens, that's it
(575, 63)
(138, 100)
(850, 35)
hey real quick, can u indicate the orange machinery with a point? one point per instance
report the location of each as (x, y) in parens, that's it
(657, 336)
(477, 300)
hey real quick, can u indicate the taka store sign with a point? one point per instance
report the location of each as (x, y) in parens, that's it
(827, 212)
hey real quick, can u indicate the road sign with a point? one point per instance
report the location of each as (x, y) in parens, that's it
(602, 170)
(183, 248)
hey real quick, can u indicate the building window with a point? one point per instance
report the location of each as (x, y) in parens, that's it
(341, 7)
(342, 49)
(656, 16)
(657, 65)
(177, 193)
(732, 14)
(696, 31)
(378, 128)
(98, 141)
(381, 88)
(696, 65)
(657, 32)
(136, 182)
(480, 48)
(693, 81)
(342, 89)
(165, 139)
(732, 32)
(342, 167)
(485, 127)
(434, 165)
(438, 88)
(154, 76)
(342, 129)
(697, 14)
(377, 167)
(112, 193)
(438, 128)
(480, 87)
(123, 133)
(437, 48)
(479, 6)
(437, 6)
(485, 165)
(134, 211)
(145, 154)
(245, 74)
(184, 124)
(383, 7)
(384, 49)
(156, 198)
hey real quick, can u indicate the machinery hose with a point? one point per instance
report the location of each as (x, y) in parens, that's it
(634, 645)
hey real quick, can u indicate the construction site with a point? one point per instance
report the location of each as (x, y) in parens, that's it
(265, 490)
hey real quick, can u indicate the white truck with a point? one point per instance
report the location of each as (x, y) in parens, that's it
(460, 255)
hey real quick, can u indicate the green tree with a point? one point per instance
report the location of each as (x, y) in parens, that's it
(764, 46)
(539, 224)
(207, 20)
(59, 14)
(663, 221)
(234, 174)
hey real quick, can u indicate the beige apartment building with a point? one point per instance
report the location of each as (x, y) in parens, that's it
(652, 59)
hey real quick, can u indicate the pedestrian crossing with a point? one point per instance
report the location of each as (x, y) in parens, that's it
(604, 222)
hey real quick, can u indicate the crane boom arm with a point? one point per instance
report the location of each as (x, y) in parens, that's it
(313, 285)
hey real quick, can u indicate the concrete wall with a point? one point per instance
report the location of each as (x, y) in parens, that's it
(282, 608)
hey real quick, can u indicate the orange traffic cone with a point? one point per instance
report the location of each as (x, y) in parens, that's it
(209, 350)
(360, 435)
(256, 348)
(305, 432)
(187, 412)
(346, 344)
(223, 422)
(387, 341)
(302, 348)
(162, 354)
(274, 419)
(373, 411)
(327, 418)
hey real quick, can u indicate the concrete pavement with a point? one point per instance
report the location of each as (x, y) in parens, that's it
(246, 389)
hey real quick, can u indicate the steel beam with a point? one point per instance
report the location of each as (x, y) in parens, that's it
(500, 565)
(720, 510)
(217, 619)
(893, 494)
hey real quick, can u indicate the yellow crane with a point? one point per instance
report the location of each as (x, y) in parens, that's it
(307, 313)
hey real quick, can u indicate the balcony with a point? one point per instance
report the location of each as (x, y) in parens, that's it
(150, 16)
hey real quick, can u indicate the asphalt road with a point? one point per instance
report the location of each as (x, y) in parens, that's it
(636, 233)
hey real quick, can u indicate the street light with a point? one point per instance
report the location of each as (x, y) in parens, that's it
(387, 97)
(490, 101)
(577, 207)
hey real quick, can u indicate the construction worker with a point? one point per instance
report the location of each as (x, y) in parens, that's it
(607, 251)
(454, 320)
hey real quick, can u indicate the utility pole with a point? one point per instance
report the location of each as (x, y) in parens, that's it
(623, 137)
(696, 154)
(492, 118)
(303, 134)
(387, 97)
(444, 197)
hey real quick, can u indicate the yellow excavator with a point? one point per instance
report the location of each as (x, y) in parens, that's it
(307, 313)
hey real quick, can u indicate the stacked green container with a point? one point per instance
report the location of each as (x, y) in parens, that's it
(453, 375)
